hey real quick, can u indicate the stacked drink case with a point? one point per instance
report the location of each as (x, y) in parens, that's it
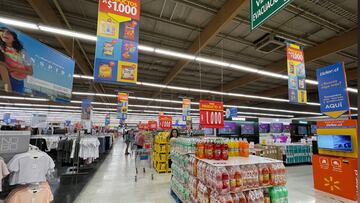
(209, 183)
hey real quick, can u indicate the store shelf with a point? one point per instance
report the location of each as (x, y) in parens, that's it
(238, 161)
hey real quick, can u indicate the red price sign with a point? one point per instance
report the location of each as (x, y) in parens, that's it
(127, 8)
(143, 126)
(165, 122)
(152, 125)
(211, 114)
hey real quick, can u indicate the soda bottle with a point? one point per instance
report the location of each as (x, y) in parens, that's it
(210, 152)
(242, 198)
(231, 171)
(224, 151)
(266, 196)
(217, 151)
(265, 173)
(229, 143)
(245, 148)
(238, 178)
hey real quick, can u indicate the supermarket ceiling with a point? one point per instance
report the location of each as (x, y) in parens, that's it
(218, 29)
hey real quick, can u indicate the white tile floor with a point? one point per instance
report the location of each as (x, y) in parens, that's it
(114, 182)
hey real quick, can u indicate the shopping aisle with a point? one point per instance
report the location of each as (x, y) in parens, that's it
(114, 182)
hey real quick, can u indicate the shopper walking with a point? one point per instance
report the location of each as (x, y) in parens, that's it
(174, 133)
(129, 136)
(140, 140)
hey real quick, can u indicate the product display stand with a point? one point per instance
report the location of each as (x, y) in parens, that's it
(296, 153)
(239, 179)
(161, 152)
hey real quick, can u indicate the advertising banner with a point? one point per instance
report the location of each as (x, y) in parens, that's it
(231, 113)
(107, 119)
(261, 10)
(122, 106)
(211, 114)
(32, 68)
(86, 109)
(165, 122)
(152, 125)
(6, 118)
(39, 121)
(297, 75)
(334, 99)
(116, 56)
(186, 105)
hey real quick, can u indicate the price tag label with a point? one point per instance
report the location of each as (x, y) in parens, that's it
(127, 8)
(165, 122)
(211, 114)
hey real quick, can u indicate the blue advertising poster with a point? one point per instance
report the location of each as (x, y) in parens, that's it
(332, 90)
(107, 119)
(7, 118)
(30, 67)
(86, 109)
(231, 113)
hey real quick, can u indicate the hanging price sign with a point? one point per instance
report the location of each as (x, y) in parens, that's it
(165, 122)
(143, 126)
(152, 125)
(211, 114)
(129, 8)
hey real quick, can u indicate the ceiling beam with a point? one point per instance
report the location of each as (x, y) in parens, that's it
(330, 46)
(217, 23)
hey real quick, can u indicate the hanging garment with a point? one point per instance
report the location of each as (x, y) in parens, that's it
(31, 194)
(3, 171)
(30, 167)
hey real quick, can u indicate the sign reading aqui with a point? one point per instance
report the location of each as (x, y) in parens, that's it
(334, 99)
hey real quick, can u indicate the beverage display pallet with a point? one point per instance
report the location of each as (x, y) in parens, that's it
(175, 196)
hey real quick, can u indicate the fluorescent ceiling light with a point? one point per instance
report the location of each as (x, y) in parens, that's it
(243, 68)
(175, 54)
(146, 48)
(23, 98)
(353, 90)
(67, 33)
(213, 62)
(17, 23)
(265, 114)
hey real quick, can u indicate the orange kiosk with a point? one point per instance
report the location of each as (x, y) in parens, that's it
(335, 167)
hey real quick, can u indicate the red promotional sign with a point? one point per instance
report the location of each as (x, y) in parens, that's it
(165, 122)
(152, 125)
(143, 126)
(127, 8)
(211, 114)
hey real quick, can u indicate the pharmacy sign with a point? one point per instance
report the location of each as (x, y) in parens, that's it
(261, 10)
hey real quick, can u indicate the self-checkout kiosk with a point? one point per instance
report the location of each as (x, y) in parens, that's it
(335, 165)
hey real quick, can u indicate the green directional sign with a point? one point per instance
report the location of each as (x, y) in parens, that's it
(261, 10)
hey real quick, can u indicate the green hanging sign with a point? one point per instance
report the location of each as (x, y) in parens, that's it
(261, 10)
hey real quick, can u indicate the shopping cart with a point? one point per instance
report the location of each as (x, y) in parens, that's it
(143, 158)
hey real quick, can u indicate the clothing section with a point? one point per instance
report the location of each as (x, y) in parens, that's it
(30, 175)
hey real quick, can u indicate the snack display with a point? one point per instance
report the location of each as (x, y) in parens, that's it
(161, 152)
